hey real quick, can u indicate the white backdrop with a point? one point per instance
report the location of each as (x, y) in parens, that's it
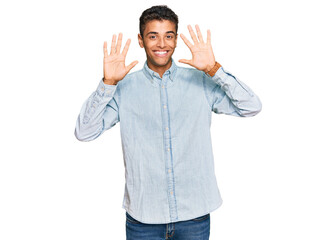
(275, 171)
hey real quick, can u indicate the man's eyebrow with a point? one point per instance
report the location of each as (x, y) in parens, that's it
(171, 32)
(158, 33)
(152, 33)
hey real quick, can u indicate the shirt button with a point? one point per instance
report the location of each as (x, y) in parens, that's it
(169, 170)
(164, 106)
(171, 193)
(162, 86)
(166, 128)
(168, 149)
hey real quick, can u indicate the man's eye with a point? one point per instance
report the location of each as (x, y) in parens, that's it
(152, 37)
(169, 36)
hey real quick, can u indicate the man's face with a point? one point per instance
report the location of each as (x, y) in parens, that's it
(159, 40)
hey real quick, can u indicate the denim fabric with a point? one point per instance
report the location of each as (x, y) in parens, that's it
(194, 229)
(165, 134)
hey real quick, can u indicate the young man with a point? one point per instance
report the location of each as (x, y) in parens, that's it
(165, 115)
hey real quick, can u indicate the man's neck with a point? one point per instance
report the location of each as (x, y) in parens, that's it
(159, 69)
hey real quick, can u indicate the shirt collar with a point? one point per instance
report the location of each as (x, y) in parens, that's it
(171, 71)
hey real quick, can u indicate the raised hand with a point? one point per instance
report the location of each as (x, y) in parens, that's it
(202, 55)
(114, 63)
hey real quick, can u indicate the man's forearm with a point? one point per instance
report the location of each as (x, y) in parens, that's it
(242, 97)
(90, 120)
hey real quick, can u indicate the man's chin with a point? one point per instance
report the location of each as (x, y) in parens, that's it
(162, 62)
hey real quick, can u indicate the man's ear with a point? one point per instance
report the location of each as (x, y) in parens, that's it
(140, 40)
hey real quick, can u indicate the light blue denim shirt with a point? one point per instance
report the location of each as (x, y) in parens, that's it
(165, 135)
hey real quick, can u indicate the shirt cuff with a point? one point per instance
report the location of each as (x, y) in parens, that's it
(106, 90)
(227, 80)
(220, 76)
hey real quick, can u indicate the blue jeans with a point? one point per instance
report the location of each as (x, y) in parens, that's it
(194, 229)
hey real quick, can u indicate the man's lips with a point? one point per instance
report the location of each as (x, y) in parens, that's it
(161, 53)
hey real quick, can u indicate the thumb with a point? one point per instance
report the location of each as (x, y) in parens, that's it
(129, 67)
(185, 61)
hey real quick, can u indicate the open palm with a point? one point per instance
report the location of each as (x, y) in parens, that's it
(202, 55)
(114, 63)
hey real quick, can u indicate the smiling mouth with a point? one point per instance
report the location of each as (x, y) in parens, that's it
(161, 53)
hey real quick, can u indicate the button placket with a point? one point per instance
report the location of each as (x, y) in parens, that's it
(168, 149)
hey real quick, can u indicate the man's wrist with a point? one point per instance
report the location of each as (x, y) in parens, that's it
(110, 81)
(209, 67)
(214, 69)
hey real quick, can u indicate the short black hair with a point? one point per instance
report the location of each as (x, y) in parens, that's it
(160, 12)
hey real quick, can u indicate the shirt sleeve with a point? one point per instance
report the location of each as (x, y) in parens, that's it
(226, 94)
(99, 113)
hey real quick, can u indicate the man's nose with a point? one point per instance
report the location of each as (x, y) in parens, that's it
(161, 42)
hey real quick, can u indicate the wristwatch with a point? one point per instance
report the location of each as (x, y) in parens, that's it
(213, 71)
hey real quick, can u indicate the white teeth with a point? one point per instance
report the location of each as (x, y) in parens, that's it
(161, 53)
